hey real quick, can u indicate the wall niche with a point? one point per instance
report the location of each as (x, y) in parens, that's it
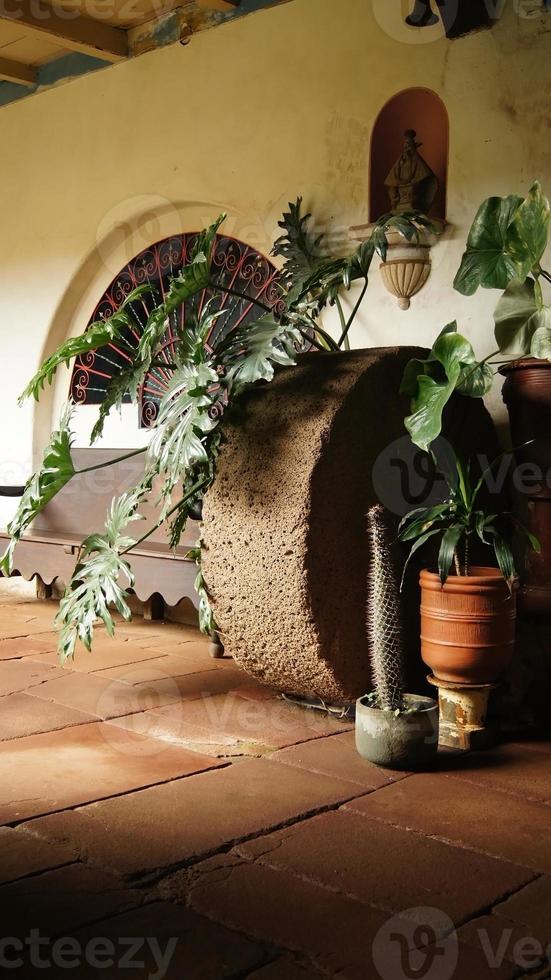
(417, 109)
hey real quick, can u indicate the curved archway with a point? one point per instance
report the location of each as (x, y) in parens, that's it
(94, 271)
(419, 109)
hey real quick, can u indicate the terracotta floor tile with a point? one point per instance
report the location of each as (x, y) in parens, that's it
(214, 720)
(531, 907)
(27, 618)
(172, 637)
(59, 901)
(337, 756)
(536, 744)
(197, 815)
(105, 653)
(285, 968)
(390, 868)
(334, 931)
(27, 674)
(512, 828)
(46, 773)
(162, 631)
(21, 854)
(204, 950)
(28, 646)
(158, 667)
(105, 697)
(512, 769)
(169, 727)
(499, 938)
(182, 689)
(472, 963)
(22, 715)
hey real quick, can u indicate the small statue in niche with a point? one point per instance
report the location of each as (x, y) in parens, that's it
(411, 184)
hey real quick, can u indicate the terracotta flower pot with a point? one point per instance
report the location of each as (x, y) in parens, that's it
(527, 394)
(467, 625)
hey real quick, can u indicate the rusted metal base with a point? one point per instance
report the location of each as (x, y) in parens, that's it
(463, 712)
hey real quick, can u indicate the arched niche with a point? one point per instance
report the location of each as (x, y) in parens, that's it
(413, 108)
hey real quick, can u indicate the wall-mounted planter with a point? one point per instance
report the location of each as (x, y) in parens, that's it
(408, 265)
(285, 557)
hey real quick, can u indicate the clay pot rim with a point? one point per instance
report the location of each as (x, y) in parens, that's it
(421, 699)
(524, 364)
(487, 575)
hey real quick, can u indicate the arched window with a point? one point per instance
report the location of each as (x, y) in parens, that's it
(236, 267)
(422, 110)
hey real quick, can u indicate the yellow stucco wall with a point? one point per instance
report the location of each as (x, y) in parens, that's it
(243, 118)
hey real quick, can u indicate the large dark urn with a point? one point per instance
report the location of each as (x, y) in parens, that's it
(527, 394)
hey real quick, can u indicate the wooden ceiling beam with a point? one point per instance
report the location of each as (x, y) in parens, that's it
(82, 34)
(14, 71)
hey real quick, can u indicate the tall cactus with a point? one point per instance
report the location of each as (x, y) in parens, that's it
(384, 625)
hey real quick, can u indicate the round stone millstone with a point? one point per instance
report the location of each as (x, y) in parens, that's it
(284, 524)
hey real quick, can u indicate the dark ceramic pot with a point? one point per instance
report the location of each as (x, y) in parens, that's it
(527, 394)
(408, 740)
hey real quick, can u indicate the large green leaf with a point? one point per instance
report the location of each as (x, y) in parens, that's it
(193, 278)
(518, 315)
(97, 580)
(430, 383)
(97, 335)
(531, 223)
(504, 555)
(301, 250)
(127, 381)
(421, 540)
(178, 442)
(251, 352)
(495, 254)
(448, 547)
(56, 471)
(541, 340)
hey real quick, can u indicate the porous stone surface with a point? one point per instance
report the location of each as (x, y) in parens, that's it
(285, 556)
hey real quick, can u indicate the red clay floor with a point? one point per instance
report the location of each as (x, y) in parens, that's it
(164, 816)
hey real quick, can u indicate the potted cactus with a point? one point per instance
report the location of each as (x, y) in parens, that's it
(393, 729)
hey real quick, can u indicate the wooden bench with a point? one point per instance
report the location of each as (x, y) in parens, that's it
(49, 550)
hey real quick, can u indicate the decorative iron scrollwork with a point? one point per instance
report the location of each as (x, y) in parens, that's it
(236, 267)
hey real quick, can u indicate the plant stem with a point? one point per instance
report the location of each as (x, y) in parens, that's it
(546, 275)
(466, 565)
(164, 364)
(191, 493)
(217, 287)
(343, 321)
(312, 340)
(353, 314)
(456, 563)
(111, 462)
